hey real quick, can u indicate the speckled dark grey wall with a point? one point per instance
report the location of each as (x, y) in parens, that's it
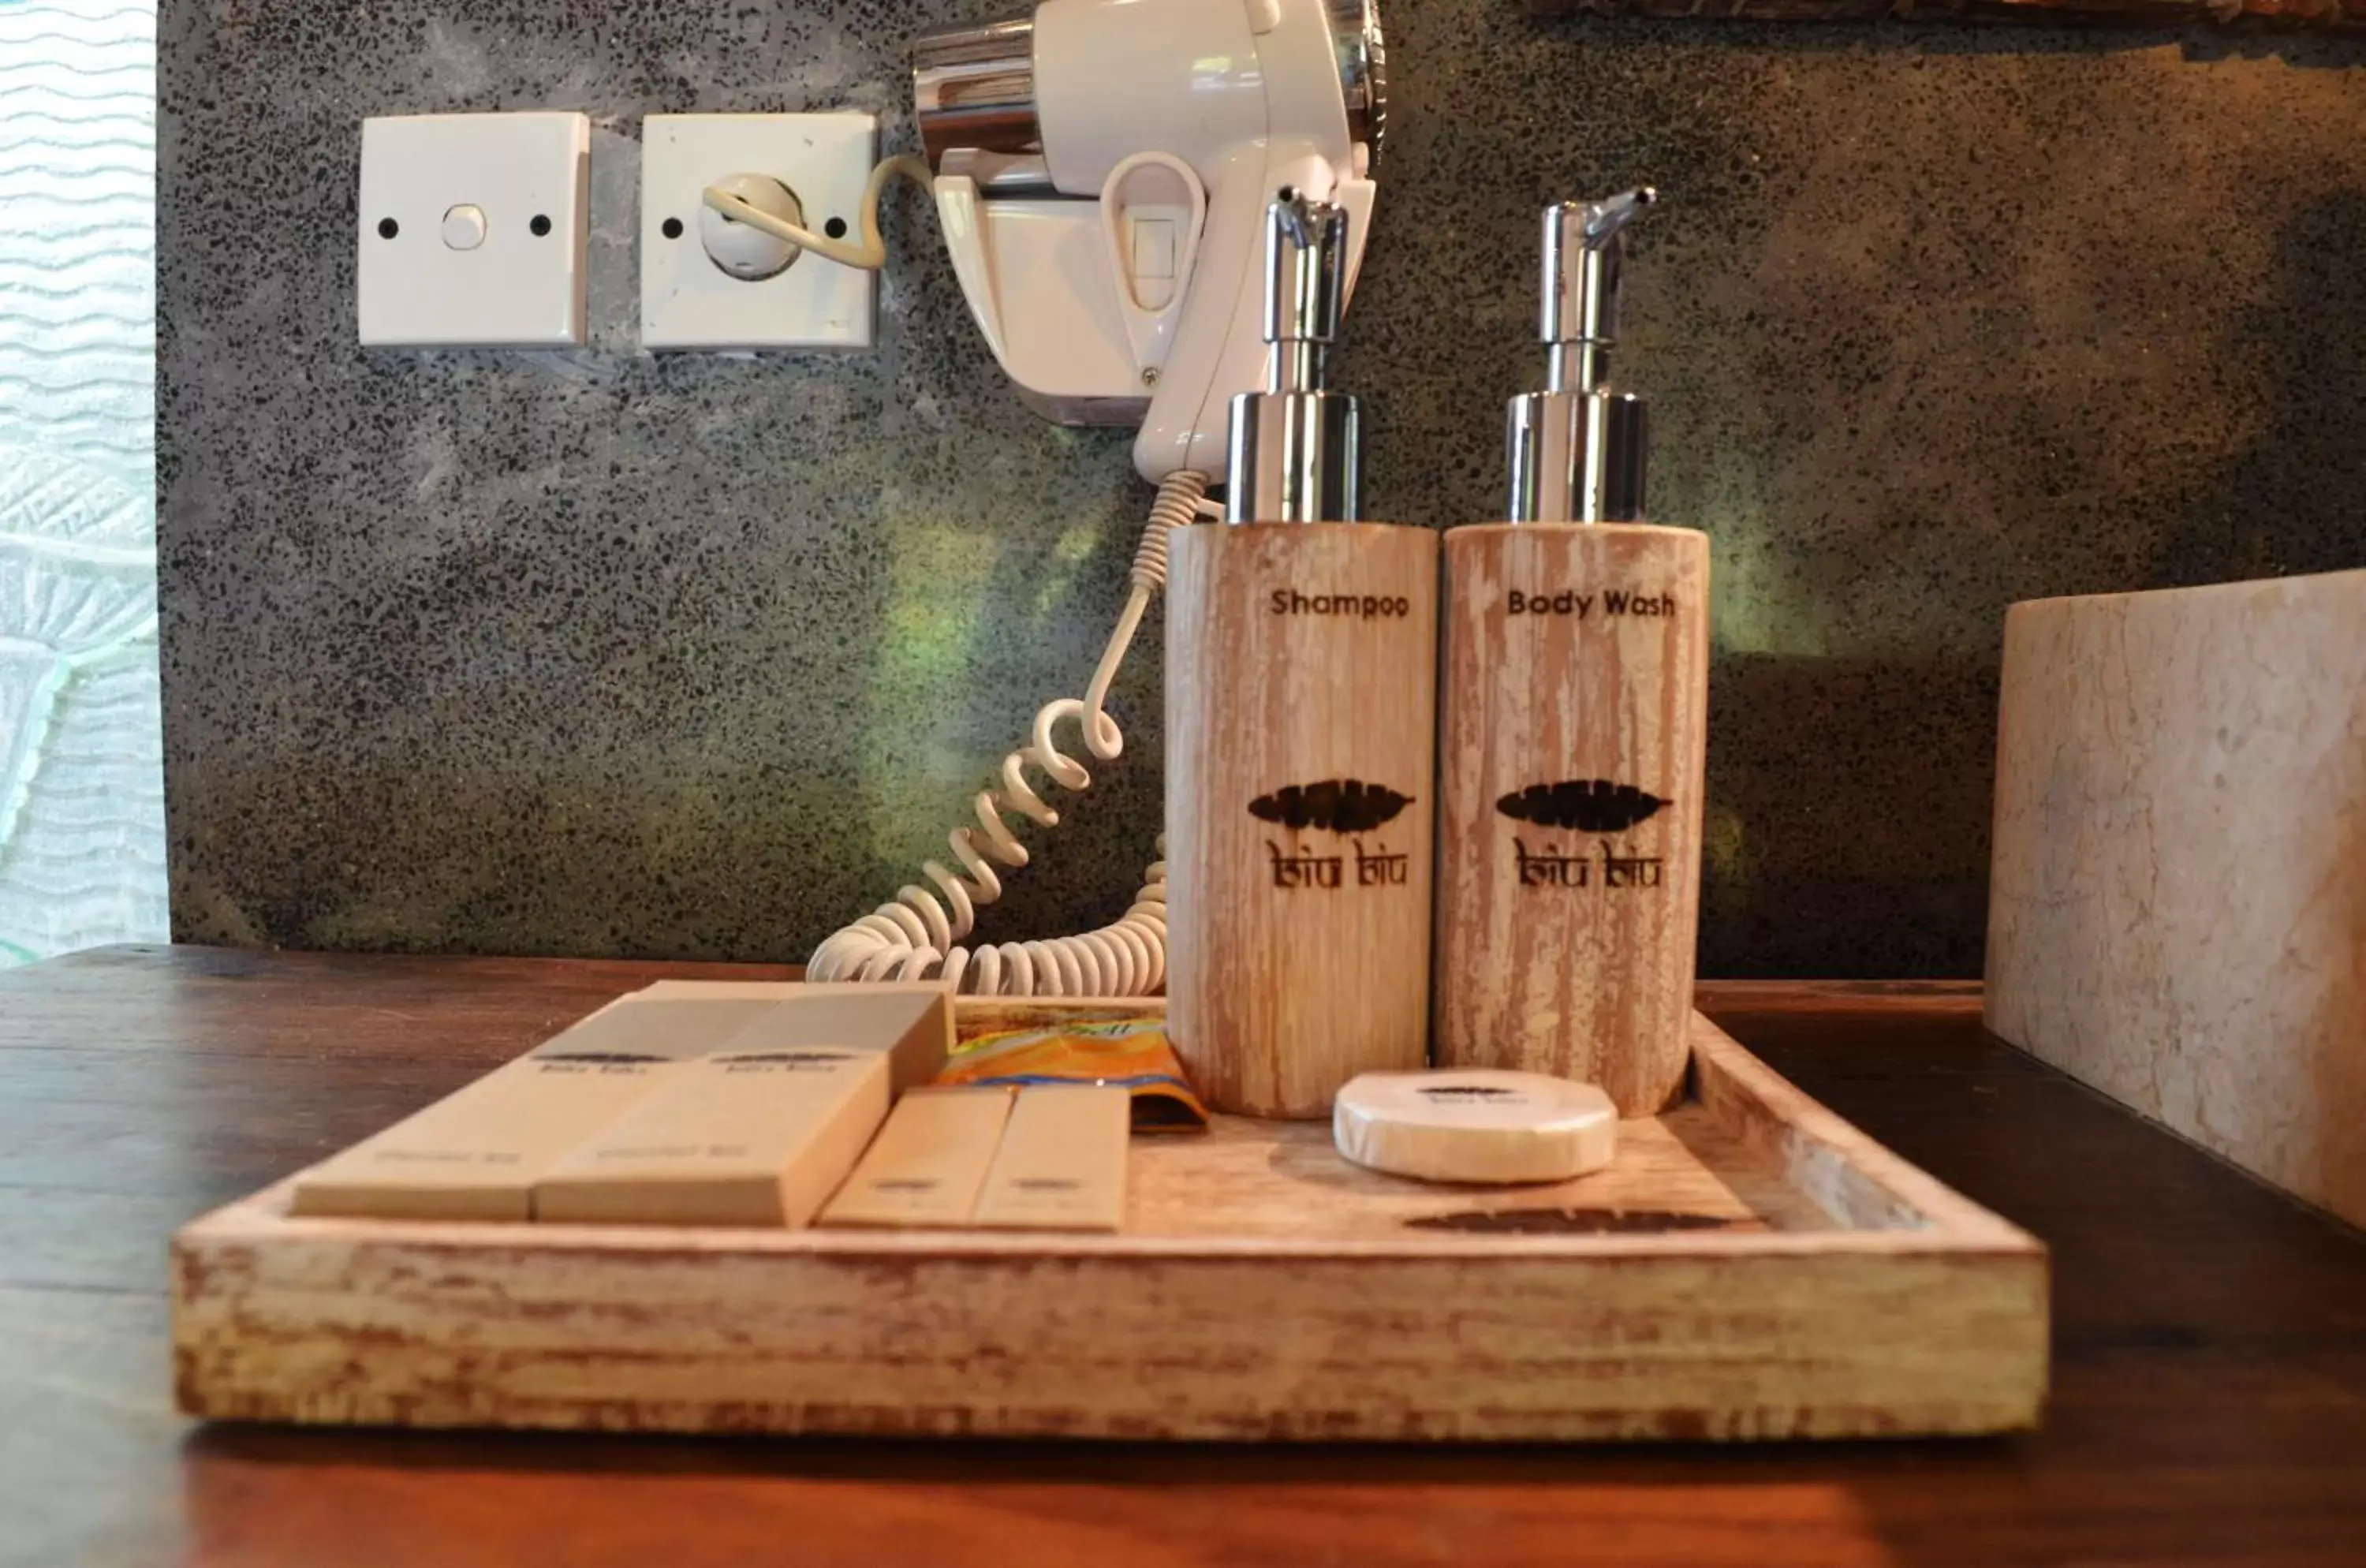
(696, 656)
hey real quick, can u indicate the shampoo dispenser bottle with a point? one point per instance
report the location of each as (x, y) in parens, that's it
(1301, 655)
(1575, 717)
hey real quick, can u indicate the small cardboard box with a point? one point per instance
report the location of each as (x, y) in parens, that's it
(928, 1163)
(476, 1153)
(913, 1023)
(1062, 1164)
(741, 1138)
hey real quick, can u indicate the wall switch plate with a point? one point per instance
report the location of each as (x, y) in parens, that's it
(688, 302)
(471, 231)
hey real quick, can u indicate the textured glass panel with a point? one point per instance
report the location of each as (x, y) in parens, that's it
(82, 806)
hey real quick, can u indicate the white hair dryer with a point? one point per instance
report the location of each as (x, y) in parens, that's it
(1103, 168)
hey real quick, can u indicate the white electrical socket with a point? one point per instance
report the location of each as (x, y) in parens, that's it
(688, 302)
(470, 230)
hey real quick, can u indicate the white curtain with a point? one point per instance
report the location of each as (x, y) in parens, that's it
(81, 804)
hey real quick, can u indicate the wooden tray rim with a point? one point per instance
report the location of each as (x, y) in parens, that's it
(1951, 1224)
(1913, 1312)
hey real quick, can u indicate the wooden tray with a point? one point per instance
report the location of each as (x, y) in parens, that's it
(1750, 1267)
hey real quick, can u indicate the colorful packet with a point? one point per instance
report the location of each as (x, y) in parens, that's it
(1013, 1042)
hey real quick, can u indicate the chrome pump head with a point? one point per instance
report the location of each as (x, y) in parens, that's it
(1293, 444)
(1579, 447)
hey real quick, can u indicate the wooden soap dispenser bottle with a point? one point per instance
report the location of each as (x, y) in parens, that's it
(1575, 718)
(1301, 672)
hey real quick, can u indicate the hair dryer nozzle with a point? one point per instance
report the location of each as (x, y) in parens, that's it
(973, 90)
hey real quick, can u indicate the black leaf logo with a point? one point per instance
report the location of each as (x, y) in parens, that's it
(1342, 805)
(1567, 1221)
(1589, 805)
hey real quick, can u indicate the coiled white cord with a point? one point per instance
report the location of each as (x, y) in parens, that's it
(913, 936)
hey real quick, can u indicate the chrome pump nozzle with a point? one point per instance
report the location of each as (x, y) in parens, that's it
(1577, 449)
(1293, 444)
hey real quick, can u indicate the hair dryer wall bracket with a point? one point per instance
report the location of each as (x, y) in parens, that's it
(1103, 171)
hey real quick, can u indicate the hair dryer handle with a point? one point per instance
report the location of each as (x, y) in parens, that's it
(1218, 347)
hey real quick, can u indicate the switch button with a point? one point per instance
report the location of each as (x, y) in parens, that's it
(1153, 261)
(1154, 248)
(464, 227)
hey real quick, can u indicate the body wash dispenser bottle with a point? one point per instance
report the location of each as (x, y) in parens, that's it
(1575, 718)
(1302, 648)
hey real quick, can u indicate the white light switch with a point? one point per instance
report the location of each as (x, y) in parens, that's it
(471, 231)
(688, 300)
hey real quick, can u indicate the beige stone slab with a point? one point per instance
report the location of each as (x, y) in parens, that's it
(2178, 899)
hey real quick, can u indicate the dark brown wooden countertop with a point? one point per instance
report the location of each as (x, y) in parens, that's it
(2210, 1337)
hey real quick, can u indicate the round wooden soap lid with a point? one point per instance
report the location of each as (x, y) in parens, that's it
(1475, 1125)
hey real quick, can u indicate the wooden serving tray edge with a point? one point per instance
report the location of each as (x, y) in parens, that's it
(1919, 1313)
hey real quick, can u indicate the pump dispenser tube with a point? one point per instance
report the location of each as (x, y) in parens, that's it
(1300, 733)
(1575, 717)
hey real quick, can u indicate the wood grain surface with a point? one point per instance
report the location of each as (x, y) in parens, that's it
(2339, 16)
(2209, 1347)
(1566, 936)
(1261, 1289)
(1301, 659)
